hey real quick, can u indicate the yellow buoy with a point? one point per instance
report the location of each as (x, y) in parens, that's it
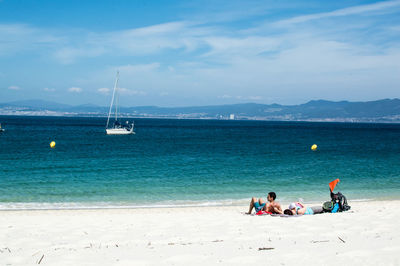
(314, 147)
(52, 144)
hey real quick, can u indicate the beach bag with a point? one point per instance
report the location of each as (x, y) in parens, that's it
(327, 206)
(340, 199)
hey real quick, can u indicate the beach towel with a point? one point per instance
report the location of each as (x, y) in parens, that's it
(263, 213)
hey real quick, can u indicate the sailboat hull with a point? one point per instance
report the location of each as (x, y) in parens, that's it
(119, 131)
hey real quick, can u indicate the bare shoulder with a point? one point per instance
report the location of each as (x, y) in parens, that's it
(276, 204)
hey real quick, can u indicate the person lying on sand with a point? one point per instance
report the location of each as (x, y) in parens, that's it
(271, 206)
(296, 208)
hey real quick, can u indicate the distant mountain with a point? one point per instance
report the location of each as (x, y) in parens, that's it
(386, 110)
(36, 104)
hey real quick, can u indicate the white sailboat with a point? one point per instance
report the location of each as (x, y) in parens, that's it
(2, 129)
(117, 128)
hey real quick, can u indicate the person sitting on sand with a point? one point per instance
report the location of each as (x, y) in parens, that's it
(296, 208)
(259, 205)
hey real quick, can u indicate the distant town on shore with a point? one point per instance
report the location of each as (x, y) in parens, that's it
(386, 110)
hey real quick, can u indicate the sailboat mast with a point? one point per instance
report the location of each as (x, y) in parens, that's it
(112, 99)
(116, 103)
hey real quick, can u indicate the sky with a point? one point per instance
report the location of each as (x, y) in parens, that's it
(184, 53)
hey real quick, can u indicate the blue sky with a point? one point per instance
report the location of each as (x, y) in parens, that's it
(178, 53)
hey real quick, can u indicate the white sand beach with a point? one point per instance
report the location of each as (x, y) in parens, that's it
(367, 235)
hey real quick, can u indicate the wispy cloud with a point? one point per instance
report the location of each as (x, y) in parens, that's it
(239, 97)
(49, 89)
(132, 42)
(125, 91)
(385, 5)
(68, 55)
(139, 68)
(75, 90)
(18, 38)
(253, 98)
(182, 36)
(103, 91)
(14, 88)
(226, 96)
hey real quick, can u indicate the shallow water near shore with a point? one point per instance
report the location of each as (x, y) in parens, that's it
(192, 162)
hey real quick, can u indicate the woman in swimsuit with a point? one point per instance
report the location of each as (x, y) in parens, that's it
(296, 208)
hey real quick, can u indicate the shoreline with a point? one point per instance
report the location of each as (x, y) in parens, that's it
(224, 235)
(45, 206)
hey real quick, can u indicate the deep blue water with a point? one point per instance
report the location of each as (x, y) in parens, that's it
(192, 161)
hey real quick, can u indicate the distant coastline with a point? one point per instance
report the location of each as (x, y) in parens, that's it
(380, 111)
(330, 120)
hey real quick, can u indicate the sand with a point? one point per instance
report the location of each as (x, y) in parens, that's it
(367, 235)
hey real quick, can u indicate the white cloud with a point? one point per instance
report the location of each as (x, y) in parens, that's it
(49, 89)
(133, 42)
(224, 46)
(68, 55)
(75, 90)
(132, 69)
(103, 91)
(254, 98)
(165, 28)
(239, 97)
(125, 91)
(21, 37)
(14, 88)
(343, 12)
(227, 11)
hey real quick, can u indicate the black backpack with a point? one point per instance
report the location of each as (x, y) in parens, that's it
(341, 199)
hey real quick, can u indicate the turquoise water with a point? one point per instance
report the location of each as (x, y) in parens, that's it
(200, 162)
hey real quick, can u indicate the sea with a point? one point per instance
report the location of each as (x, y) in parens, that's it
(190, 163)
